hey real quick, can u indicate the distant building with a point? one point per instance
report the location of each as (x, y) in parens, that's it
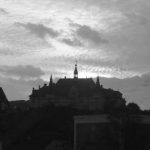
(4, 104)
(81, 93)
(95, 132)
(19, 105)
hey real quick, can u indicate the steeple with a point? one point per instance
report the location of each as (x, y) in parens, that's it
(33, 89)
(51, 80)
(97, 81)
(76, 71)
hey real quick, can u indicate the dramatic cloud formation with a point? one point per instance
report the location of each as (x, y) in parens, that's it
(73, 42)
(22, 71)
(3, 12)
(40, 30)
(109, 38)
(86, 33)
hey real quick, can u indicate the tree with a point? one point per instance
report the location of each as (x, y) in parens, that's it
(133, 108)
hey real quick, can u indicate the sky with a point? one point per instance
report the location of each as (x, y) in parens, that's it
(109, 38)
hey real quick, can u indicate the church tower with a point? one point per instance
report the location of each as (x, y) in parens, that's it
(51, 81)
(97, 82)
(76, 72)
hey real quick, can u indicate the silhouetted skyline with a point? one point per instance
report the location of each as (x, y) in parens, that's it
(109, 38)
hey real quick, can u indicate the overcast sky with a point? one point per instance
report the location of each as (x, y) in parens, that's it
(109, 38)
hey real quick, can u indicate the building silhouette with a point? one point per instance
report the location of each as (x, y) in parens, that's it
(81, 93)
(4, 104)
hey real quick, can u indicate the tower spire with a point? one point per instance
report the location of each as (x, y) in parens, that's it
(76, 71)
(97, 81)
(51, 80)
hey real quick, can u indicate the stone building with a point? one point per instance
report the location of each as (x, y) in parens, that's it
(81, 93)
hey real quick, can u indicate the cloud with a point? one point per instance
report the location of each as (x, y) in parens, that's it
(40, 30)
(137, 18)
(146, 80)
(91, 35)
(3, 11)
(22, 71)
(73, 42)
(6, 51)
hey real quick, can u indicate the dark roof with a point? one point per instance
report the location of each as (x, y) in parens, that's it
(84, 86)
(81, 87)
(4, 104)
(22, 104)
(3, 98)
(43, 91)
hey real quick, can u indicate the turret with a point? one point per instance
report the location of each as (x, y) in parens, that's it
(97, 81)
(76, 72)
(51, 81)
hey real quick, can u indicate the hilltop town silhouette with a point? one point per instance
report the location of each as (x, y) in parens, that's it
(80, 93)
(73, 113)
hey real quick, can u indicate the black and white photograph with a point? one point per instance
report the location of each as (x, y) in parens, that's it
(74, 75)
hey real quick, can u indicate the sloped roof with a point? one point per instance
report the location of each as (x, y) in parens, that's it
(84, 86)
(41, 92)
(22, 104)
(3, 98)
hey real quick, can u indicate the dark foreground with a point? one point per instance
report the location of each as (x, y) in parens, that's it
(51, 128)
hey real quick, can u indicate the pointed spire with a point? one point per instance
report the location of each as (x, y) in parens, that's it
(51, 80)
(97, 81)
(33, 89)
(76, 71)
